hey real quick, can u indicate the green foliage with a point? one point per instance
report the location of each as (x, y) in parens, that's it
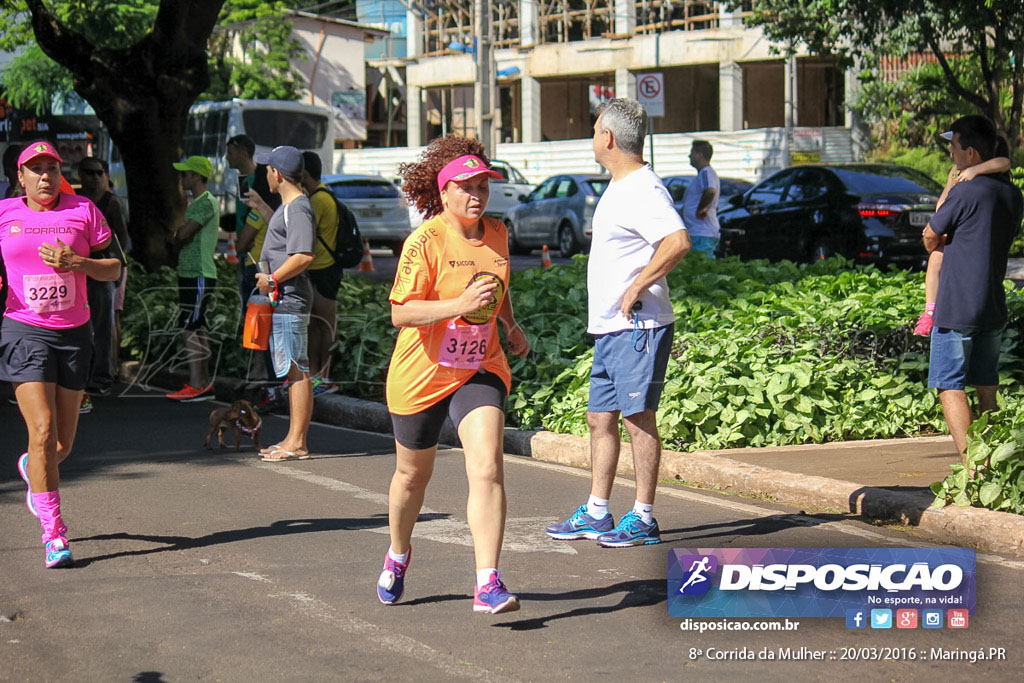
(849, 29)
(262, 69)
(32, 80)
(931, 161)
(918, 106)
(995, 452)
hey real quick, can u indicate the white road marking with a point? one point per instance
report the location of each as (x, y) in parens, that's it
(385, 639)
(254, 576)
(522, 534)
(527, 540)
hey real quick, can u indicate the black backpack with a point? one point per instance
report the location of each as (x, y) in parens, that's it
(348, 247)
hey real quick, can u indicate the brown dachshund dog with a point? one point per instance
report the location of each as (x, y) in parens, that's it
(239, 417)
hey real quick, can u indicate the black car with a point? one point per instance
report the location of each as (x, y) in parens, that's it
(871, 213)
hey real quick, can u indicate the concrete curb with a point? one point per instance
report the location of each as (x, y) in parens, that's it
(989, 530)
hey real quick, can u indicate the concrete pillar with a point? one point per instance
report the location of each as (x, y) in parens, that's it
(531, 109)
(860, 135)
(414, 115)
(528, 23)
(730, 96)
(728, 18)
(413, 34)
(625, 83)
(625, 16)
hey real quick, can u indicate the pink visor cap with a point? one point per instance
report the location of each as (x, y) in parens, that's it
(464, 168)
(39, 148)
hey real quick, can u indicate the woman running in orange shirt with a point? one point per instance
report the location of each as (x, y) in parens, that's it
(450, 287)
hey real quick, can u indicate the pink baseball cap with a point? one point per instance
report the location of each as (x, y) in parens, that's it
(464, 168)
(39, 148)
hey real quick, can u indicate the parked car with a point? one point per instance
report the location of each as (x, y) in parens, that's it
(505, 192)
(378, 205)
(871, 213)
(730, 187)
(558, 211)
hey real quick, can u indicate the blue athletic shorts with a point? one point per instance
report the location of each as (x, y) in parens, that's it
(629, 370)
(289, 342)
(708, 245)
(964, 357)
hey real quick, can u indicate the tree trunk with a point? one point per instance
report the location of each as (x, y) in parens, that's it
(142, 95)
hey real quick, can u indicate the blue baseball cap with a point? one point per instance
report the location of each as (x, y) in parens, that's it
(285, 159)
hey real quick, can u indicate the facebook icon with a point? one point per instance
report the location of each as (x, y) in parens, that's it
(856, 618)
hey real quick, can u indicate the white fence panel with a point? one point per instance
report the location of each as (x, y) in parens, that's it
(744, 154)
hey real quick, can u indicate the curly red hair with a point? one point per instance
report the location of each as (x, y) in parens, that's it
(419, 179)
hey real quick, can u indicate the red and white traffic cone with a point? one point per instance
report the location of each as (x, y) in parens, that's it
(545, 257)
(231, 256)
(366, 263)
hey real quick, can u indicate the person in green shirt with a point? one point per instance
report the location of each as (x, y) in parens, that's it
(197, 274)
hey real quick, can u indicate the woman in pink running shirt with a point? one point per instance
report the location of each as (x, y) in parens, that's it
(46, 239)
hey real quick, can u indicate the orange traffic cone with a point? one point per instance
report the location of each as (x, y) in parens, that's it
(366, 264)
(231, 256)
(545, 257)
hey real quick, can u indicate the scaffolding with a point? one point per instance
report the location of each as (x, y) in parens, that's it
(448, 24)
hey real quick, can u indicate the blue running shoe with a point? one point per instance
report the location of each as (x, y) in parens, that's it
(23, 471)
(581, 525)
(631, 531)
(391, 583)
(494, 598)
(58, 554)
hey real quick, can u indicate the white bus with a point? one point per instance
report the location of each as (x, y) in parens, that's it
(268, 122)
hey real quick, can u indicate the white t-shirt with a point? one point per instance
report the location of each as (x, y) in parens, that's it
(707, 226)
(633, 216)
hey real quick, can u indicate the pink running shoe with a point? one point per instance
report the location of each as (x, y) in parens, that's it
(494, 598)
(923, 328)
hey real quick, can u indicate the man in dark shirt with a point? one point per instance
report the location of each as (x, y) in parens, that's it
(978, 223)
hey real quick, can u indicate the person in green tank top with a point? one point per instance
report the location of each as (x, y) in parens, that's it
(197, 274)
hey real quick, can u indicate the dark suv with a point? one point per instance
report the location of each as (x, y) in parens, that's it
(871, 213)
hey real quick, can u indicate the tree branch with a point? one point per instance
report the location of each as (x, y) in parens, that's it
(954, 82)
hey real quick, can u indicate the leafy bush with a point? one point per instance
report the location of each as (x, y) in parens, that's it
(996, 451)
(931, 161)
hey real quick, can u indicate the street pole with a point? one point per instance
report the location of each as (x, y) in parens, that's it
(483, 88)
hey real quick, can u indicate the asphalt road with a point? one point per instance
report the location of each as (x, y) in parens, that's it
(194, 564)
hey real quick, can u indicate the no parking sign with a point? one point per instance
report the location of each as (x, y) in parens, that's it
(650, 92)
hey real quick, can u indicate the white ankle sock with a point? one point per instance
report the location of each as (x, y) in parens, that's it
(597, 507)
(483, 576)
(645, 510)
(400, 559)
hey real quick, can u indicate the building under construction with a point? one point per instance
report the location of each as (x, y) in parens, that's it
(550, 62)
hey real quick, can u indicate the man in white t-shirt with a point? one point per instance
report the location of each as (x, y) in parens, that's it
(638, 239)
(700, 203)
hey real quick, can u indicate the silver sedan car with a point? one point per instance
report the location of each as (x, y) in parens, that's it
(557, 212)
(378, 205)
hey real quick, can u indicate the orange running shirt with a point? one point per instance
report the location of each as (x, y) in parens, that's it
(438, 263)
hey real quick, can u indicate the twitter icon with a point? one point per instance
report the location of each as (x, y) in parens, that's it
(881, 618)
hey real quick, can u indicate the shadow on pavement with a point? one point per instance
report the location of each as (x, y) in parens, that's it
(638, 593)
(285, 527)
(753, 527)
